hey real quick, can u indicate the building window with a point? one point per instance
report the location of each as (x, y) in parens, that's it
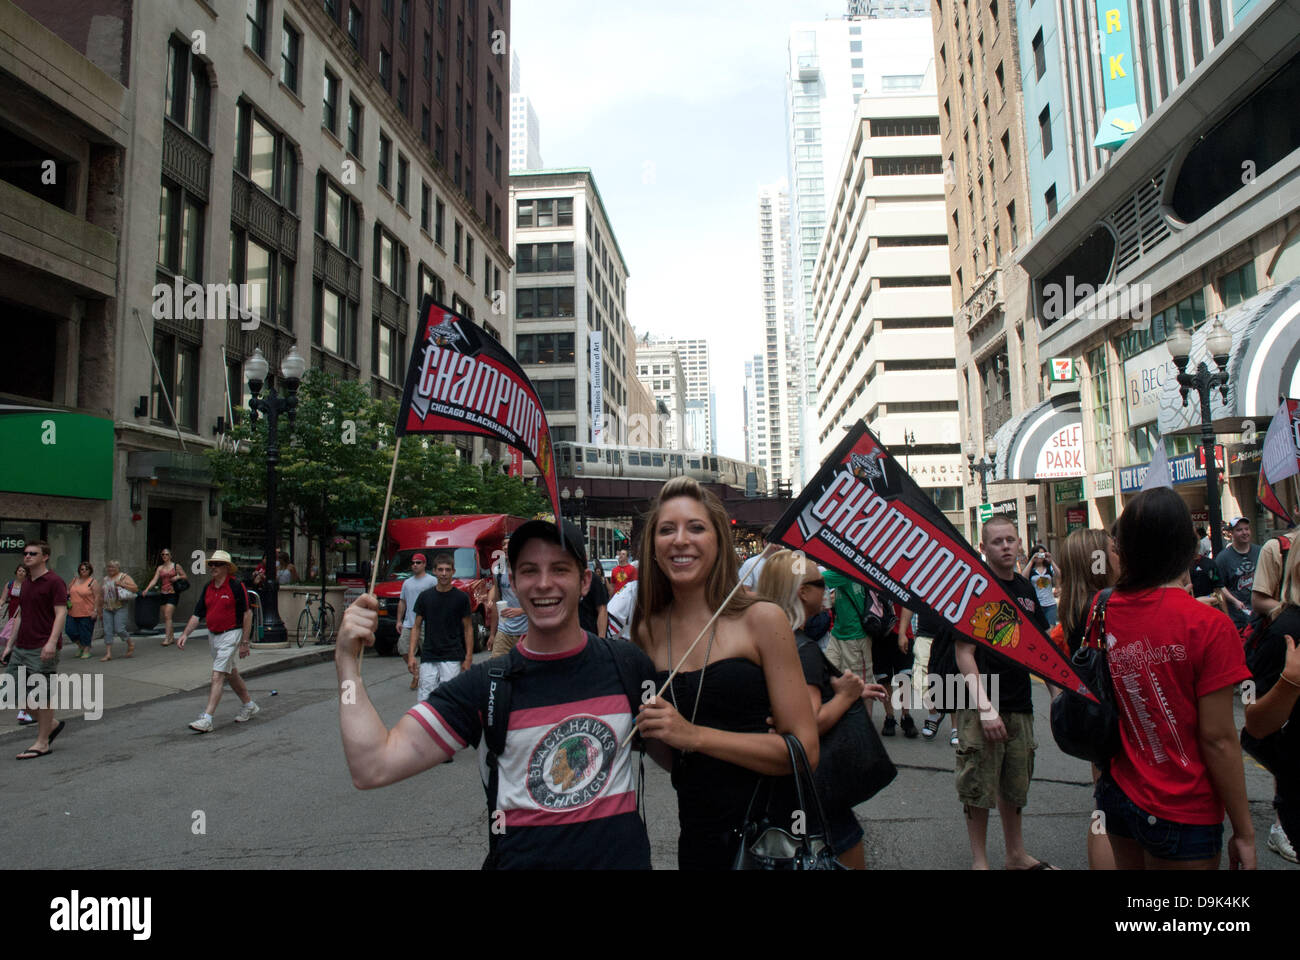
(1011, 224)
(425, 197)
(385, 156)
(1050, 198)
(180, 233)
(269, 274)
(439, 145)
(402, 94)
(1045, 129)
(440, 78)
(354, 26)
(1098, 373)
(544, 348)
(386, 69)
(330, 106)
(555, 394)
(390, 261)
(439, 220)
(905, 166)
(535, 303)
(1002, 84)
(544, 257)
(459, 233)
(255, 27)
(266, 157)
(403, 174)
(469, 256)
(290, 42)
(334, 322)
(427, 61)
(338, 216)
(904, 127)
(355, 114)
(1237, 286)
(545, 213)
(431, 284)
(178, 363)
(404, 22)
(1040, 56)
(995, 379)
(855, 46)
(188, 91)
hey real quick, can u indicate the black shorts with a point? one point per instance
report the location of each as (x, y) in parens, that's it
(886, 659)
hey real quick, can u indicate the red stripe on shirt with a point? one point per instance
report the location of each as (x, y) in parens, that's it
(549, 716)
(604, 807)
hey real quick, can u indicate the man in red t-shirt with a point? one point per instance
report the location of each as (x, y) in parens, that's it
(42, 610)
(224, 604)
(622, 573)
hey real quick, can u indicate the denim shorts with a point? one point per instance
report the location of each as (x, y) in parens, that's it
(1161, 838)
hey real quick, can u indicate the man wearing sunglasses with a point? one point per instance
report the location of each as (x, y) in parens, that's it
(224, 604)
(42, 611)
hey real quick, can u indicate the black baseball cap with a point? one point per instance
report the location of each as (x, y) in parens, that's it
(545, 530)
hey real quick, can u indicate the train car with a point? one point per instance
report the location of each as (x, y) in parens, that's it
(643, 463)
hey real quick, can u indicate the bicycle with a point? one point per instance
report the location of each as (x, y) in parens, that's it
(321, 626)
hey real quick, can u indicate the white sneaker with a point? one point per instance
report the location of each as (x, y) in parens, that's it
(249, 711)
(953, 739)
(202, 725)
(1280, 844)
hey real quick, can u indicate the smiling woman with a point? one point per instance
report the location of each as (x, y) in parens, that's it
(688, 569)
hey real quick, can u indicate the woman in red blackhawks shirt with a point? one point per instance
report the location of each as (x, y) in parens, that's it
(1173, 662)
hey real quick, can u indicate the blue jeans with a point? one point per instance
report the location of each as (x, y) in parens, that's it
(81, 630)
(1161, 838)
(115, 626)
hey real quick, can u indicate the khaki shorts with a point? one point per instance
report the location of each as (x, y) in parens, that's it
(987, 771)
(852, 654)
(31, 659)
(404, 641)
(504, 642)
(225, 649)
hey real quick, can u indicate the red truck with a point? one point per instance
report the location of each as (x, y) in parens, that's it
(473, 540)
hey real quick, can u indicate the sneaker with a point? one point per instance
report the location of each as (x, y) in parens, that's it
(202, 725)
(953, 738)
(249, 711)
(890, 726)
(1280, 843)
(930, 729)
(25, 718)
(909, 728)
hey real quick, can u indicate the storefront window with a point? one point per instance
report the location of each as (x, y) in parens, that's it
(1099, 372)
(1190, 312)
(68, 544)
(1031, 522)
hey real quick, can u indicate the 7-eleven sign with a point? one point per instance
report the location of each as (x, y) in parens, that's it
(1061, 370)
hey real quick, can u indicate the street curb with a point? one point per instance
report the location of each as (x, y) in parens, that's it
(306, 658)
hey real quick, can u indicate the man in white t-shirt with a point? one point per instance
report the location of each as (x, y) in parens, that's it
(419, 581)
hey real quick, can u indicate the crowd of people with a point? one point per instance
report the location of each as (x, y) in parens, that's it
(712, 657)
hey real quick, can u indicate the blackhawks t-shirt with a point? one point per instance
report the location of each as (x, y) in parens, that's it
(1165, 651)
(566, 788)
(1014, 690)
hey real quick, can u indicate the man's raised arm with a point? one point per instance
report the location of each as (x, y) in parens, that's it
(376, 756)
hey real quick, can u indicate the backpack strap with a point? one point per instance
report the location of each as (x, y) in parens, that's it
(496, 720)
(623, 652)
(1098, 615)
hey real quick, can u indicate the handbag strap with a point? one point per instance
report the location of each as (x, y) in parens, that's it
(1098, 616)
(803, 777)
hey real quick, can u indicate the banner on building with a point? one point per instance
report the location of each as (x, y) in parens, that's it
(864, 516)
(460, 380)
(1280, 457)
(597, 388)
(1119, 81)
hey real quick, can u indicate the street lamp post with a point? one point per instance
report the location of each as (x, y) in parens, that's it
(271, 407)
(984, 467)
(1218, 341)
(909, 438)
(577, 509)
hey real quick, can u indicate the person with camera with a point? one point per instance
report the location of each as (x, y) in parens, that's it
(1041, 571)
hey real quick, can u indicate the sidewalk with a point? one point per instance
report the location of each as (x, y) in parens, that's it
(155, 671)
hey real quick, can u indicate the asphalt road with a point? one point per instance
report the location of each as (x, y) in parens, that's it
(138, 790)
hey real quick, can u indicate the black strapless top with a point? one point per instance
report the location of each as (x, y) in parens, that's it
(712, 795)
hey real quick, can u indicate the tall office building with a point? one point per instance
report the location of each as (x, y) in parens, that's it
(525, 130)
(782, 368)
(699, 411)
(659, 368)
(338, 159)
(881, 298)
(570, 283)
(830, 65)
(888, 8)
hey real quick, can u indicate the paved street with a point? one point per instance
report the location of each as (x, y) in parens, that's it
(124, 791)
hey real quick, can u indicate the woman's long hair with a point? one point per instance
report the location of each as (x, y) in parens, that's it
(1155, 540)
(654, 592)
(780, 584)
(1085, 552)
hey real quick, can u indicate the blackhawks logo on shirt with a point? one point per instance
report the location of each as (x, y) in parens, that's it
(571, 764)
(997, 624)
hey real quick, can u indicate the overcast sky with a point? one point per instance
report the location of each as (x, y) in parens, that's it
(678, 109)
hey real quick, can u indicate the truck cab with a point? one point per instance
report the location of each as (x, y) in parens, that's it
(475, 541)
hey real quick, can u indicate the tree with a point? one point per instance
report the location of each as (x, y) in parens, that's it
(335, 461)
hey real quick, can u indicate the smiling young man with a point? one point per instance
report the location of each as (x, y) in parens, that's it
(995, 743)
(551, 720)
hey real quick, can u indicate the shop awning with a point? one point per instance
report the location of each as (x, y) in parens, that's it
(1043, 443)
(1263, 365)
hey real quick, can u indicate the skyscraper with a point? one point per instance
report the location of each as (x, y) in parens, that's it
(830, 65)
(781, 368)
(698, 407)
(525, 131)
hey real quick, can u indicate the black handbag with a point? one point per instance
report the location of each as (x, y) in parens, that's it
(1083, 728)
(770, 842)
(854, 765)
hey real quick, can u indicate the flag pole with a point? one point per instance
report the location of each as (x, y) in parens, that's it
(383, 526)
(766, 550)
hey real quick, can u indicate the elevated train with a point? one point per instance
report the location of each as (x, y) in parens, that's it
(578, 460)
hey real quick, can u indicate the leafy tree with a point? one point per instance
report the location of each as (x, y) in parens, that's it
(335, 461)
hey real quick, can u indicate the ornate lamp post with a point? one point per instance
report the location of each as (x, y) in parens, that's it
(1218, 341)
(271, 407)
(984, 467)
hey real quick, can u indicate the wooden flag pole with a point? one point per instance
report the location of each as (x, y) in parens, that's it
(677, 669)
(383, 527)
